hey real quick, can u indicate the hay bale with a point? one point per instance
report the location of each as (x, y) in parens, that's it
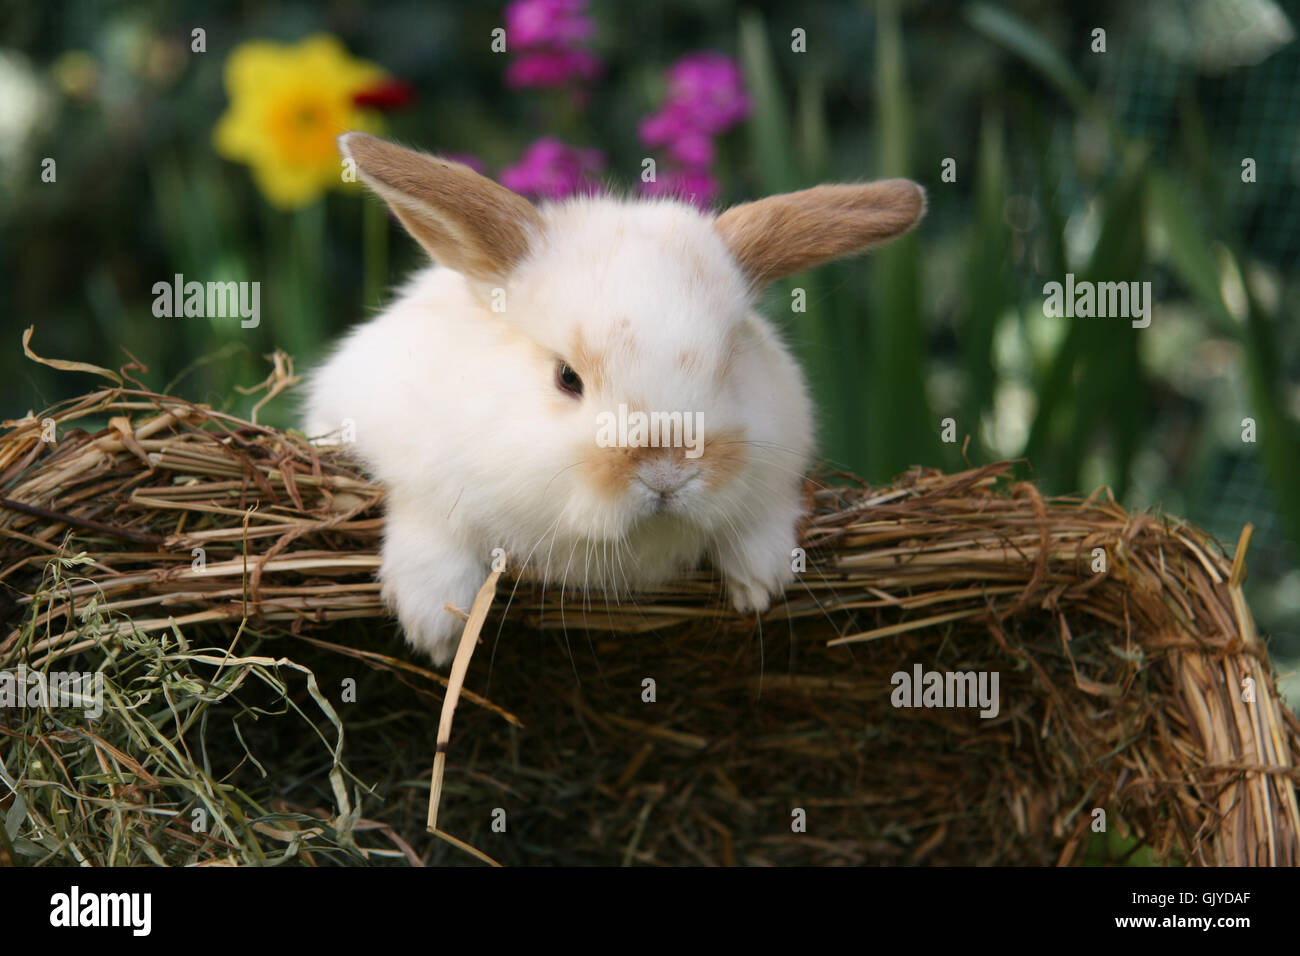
(1141, 689)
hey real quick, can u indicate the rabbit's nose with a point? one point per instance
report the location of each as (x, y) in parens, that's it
(665, 476)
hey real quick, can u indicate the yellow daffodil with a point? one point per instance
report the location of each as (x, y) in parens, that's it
(288, 103)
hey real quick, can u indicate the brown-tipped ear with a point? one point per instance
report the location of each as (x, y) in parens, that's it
(778, 236)
(464, 220)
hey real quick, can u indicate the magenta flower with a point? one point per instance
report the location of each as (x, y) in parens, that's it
(708, 88)
(706, 97)
(672, 127)
(691, 185)
(663, 127)
(551, 68)
(536, 23)
(543, 36)
(552, 170)
(692, 149)
(711, 89)
(546, 24)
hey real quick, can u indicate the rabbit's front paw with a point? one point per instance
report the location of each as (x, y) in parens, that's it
(758, 567)
(426, 622)
(419, 581)
(750, 596)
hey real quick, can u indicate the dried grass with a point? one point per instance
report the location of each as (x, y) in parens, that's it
(1120, 690)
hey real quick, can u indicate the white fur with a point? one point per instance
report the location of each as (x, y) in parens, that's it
(457, 413)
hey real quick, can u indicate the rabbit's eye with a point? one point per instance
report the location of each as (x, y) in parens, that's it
(567, 380)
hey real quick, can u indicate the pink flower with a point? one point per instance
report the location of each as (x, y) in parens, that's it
(692, 185)
(536, 23)
(692, 149)
(708, 88)
(706, 96)
(552, 170)
(664, 126)
(551, 68)
(672, 127)
(544, 35)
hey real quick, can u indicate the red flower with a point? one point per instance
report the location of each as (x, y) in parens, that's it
(389, 94)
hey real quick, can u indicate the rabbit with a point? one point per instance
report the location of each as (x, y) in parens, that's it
(490, 397)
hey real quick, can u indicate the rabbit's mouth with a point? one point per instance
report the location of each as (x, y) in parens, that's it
(662, 495)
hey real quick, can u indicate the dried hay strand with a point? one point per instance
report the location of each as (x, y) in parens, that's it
(1142, 689)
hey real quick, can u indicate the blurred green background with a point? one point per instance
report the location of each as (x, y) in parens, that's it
(1122, 165)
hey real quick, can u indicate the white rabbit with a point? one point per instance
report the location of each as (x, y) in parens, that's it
(483, 396)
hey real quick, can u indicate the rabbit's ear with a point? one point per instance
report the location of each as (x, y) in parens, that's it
(778, 236)
(464, 220)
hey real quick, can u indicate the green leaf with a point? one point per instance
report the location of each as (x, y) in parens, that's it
(16, 815)
(1017, 36)
(988, 291)
(903, 431)
(1095, 374)
(769, 125)
(814, 140)
(1190, 251)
